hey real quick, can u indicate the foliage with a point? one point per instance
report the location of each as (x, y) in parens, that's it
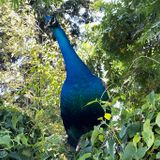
(126, 55)
(132, 134)
(18, 134)
(29, 79)
(124, 51)
(17, 3)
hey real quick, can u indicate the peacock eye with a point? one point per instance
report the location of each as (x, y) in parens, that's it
(53, 21)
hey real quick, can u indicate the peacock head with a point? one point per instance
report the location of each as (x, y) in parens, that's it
(51, 21)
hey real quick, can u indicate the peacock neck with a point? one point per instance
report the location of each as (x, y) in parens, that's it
(75, 68)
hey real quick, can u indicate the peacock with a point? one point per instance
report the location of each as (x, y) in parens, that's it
(79, 89)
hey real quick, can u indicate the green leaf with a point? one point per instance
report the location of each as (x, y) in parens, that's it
(111, 143)
(91, 102)
(157, 130)
(17, 139)
(158, 119)
(136, 139)
(157, 143)
(95, 134)
(133, 129)
(158, 155)
(85, 156)
(123, 131)
(20, 138)
(5, 141)
(27, 153)
(39, 114)
(24, 139)
(14, 120)
(151, 98)
(101, 137)
(3, 154)
(14, 155)
(140, 153)
(129, 151)
(147, 133)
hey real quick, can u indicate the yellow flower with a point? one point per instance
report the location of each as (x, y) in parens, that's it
(107, 116)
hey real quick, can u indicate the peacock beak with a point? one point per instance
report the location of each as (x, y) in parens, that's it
(47, 21)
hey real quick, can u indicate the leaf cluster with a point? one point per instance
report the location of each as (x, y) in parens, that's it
(133, 134)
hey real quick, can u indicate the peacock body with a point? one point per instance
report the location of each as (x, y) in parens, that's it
(79, 88)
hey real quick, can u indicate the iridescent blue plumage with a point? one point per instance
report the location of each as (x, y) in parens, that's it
(79, 88)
